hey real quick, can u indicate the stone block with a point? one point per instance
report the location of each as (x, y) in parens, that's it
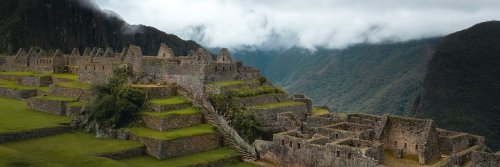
(398, 153)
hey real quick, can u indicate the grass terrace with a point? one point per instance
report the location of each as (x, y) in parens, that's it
(28, 74)
(169, 101)
(172, 113)
(232, 83)
(261, 90)
(189, 160)
(13, 85)
(56, 98)
(16, 117)
(43, 89)
(316, 111)
(69, 149)
(239, 164)
(173, 134)
(277, 105)
(68, 76)
(77, 85)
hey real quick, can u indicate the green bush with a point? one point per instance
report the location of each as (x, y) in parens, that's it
(116, 103)
(223, 102)
(247, 126)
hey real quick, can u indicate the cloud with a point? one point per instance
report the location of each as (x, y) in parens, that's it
(304, 23)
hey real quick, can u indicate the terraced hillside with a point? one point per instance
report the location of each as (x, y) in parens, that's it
(35, 128)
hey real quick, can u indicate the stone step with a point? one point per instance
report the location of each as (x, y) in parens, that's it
(170, 103)
(50, 104)
(176, 142)
(164, 121)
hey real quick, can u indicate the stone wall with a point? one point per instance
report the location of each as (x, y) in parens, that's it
(96, 72)
(180, 147)
(16, 136)
(153, 92)
(17, 94)
(169, 123)
(482, 159)
(48, 106)
(268, 117)
(80, 94)
(34, 81)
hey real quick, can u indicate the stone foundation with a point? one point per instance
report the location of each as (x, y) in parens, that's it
(80, 94)
(16, 136)
(169, 123)
(48, 106)
(17, 94)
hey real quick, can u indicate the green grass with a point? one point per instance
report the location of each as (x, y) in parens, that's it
(169, 101)
(29, 74)
(16, 117)
(319, 111)
(79, 103)
(261, 90)
(68, 76)
(173, 134)
(178, 112)
(189, 160)
(13, 85)
(78, 85)
(276, 105)
(56, 98)
(232, 83)
(70, 149)
(43, 89)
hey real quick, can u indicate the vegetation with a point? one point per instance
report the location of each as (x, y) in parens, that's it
(68, 76)
(56, 98)
(247, 126)
(224, 103)
(25, 74)
(116, 104)
(319, 111)
(173, 134)
(231, 83)
(239, 164)
(13, 85)
(79, 103)
(68, 149)
(169, 101)
(16, 117)
(189, 160)
(75, 84)
(264, 89)
(43, 89)
(276, 105)
(172, 113)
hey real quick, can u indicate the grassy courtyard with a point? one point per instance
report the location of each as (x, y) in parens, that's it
(169, 101)
(77, 85)
(70, 149)
(15, 116)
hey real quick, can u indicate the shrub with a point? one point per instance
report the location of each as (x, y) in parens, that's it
(116, 104)
(247, 126)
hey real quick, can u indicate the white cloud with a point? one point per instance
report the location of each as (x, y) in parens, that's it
(304, 23)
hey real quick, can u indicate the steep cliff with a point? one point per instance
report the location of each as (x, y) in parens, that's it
(76, 24)
(461, 90)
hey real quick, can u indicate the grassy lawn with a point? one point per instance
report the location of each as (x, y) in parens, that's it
(30, 74)
(276, 105)
(15, 117)
(173, 134)
(78, 85)
(178, 112)
(169, 101)
(43, 89)
(70, 149)
(69, 76)
(189, 160)
(56, 98)
(13, 85)
(231, 83)
(316, 111)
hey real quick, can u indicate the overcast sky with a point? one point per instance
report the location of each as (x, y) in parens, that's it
(304, 23)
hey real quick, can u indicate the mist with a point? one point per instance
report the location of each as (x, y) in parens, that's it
(303, 23)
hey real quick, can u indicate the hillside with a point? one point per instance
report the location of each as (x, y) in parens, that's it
(461, 90)
(71, 24)
(368, 78)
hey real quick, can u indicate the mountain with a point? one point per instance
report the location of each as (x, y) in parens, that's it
(368, 78)
(72, 24)
(461, 90)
